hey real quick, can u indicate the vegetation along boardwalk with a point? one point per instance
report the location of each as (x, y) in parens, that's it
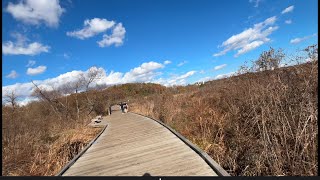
(133, 145)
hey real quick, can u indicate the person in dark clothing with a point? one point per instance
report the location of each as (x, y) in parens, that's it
(125, 107)
(122, 107)
(110, 110)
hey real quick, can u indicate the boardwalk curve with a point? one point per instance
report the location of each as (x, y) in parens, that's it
(133, 145)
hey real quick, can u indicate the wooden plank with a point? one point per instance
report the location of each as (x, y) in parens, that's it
(133, 145)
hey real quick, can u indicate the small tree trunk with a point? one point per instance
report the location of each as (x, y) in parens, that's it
(77, 104)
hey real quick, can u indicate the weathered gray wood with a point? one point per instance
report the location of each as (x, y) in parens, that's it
(218, 169)
(133, 145)
(70, 163)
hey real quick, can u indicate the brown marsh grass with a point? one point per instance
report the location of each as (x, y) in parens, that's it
(260, 124)
(36, 143)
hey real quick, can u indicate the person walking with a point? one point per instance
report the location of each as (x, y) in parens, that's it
(122, 108)
(125, 107)
(110, 110)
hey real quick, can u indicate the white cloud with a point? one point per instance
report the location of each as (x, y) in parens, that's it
(175, 80)
(20, 89)
(250, 38)
(35, 12)
(221, 76)
(31, 63)
(220, 66)
(91, 28)
(298, 40)
(26, 49)
(144, 73)
(21, 47)
(182, 63)
(249, 47)
(36, 71)
(204, 79)
(26, 101)
(256, 2)
(289, 21)
(190, 73)
(288, 9)
(166, 62)
(116, 38)
(13, 74)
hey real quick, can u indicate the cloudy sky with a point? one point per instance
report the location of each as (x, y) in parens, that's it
(171, 42)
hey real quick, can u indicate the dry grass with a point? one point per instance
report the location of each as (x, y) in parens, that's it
(253, 124)
(36, 143)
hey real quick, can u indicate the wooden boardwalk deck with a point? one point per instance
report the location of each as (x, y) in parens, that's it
(133, 145)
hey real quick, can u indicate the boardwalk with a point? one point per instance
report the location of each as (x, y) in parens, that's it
(133, 145)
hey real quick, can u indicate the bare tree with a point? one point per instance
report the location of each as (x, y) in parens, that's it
(312, 52)
(243, 69)
(11, 98)
(269, 60)
(82, 84)
(92, 76)
(52, 97)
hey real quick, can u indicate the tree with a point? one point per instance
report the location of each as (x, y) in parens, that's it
(11, 98)
(312, 52)
(92, 76)
(269, 60)
(52, 97)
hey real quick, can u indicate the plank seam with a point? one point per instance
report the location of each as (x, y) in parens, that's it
(213, 164)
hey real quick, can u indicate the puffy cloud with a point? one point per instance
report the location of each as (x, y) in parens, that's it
(31, 63)
(144, 73)
(10, 48)
(249, 47)
(35, 12)
(250, 38)
(288, 9)
(116, 38)
(289, 21)
(167, 62)
(91, 28)
(20, 89)
(13, 74)
(36, 71)
(298, 40)
(21, 47)
(96, 26)
(220, 66)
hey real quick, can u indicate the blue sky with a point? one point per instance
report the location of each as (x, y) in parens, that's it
(171, 42)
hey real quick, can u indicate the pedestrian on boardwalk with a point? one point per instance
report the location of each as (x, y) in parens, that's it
(125, 107)
(122, 108)
(110, 110)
